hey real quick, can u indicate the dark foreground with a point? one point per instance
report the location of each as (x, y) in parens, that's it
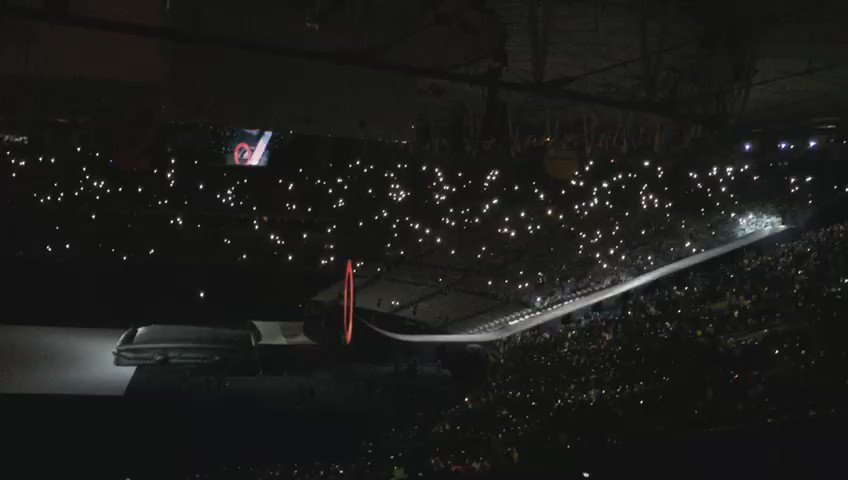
(86, 437)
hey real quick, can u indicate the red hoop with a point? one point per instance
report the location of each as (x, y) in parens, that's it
(347, 319)
(241, 146)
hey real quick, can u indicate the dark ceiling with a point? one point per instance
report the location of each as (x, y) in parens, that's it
(371, 68)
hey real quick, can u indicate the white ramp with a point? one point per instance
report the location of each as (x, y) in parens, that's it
(556, 312)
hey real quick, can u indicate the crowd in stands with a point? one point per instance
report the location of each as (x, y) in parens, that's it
(715, 347)
(722, 344)
(534, 240)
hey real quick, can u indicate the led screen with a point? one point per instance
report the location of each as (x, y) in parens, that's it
(244, 147)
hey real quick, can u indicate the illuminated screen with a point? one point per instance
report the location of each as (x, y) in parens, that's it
(250, 148)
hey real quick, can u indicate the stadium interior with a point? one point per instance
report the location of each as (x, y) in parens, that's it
(490, 239)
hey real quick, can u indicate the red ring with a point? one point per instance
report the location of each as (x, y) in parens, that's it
(347, 319)
(241, 146)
